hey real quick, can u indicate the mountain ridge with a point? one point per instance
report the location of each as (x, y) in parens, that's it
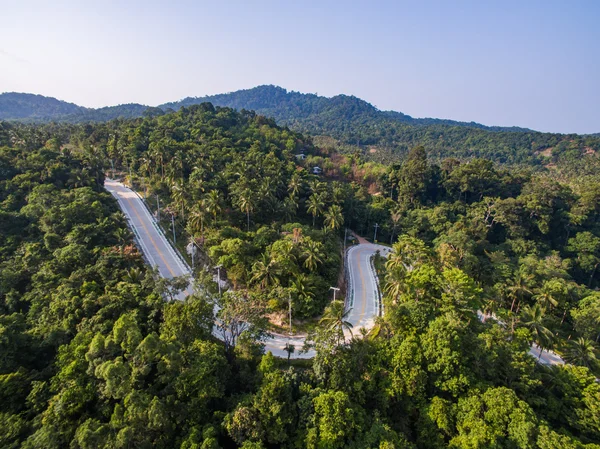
(342, 123)
(21, 106)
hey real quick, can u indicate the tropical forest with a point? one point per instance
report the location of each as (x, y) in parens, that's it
(489, 265)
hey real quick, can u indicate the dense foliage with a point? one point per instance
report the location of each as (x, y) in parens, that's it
(387, 135)
(93, 356)
(382, 135)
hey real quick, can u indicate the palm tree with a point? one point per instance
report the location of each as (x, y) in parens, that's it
(407, 254)
(290, 206)
(312, 254)
(315, 206)
(196, 221)
(246, 203)
(550, 293)
(213, 204)
(295, 185)
(518, 288)
(179, 197)
(334, 218)
(394, 284)
(265, 272)
(395, 217)
(301, 286)
(335, 320)
(317, 187)
(581, 352)
(134, 275)
(123, 237)
(532, 317)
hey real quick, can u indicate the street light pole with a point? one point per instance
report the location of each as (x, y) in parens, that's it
(290, 310)
(335, 290)
(344, 254)
(192, 242)
(375, 235)
(157, 208)
(218, 267)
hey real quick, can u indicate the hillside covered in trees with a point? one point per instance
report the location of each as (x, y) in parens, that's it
(95, 354)
(384, 136)
(38, 108)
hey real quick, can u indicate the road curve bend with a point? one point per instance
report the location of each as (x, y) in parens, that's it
(363, 297)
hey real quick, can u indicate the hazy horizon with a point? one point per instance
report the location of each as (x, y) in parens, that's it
(504, 64)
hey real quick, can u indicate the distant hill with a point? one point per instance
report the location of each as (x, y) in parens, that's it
(387, 135)
(38, 108)
(353, 124)
(315, 113)
(16, 106)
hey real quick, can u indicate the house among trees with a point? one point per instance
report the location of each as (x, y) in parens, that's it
(301, 156)
(317, 170)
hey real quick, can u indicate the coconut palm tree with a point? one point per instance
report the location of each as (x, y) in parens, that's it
(312, 254)
(295, 185)
(301, 286)
(334, 218)
(394, 284)
(290, 206)
(315, 206)
(134, 275)
(532, 317)
(581, 352)
(518, 288)
(213, 204)
(265, 272)
(123, 237)
(408, 253)
(550, 293)
(196, 220)
(395, 217)
(247, 203)
(334, 320)
(179, 196)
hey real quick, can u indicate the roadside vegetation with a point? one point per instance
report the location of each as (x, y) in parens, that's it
(94, 356)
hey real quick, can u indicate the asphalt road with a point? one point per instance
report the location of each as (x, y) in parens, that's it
(156, 249)
(363, 299)
(363, 295)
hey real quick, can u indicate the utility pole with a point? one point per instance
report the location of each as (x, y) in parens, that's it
(157, 208)
(218, 267)
(290, 310)
(112, 164)
(335, 290)
(193, 250)
(375, 235)
(344, 255)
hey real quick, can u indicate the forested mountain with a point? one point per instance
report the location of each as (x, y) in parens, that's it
(96, 354)
(388, 135)
(289, 107)
(15, 106)
(38, 108)
(353, 123)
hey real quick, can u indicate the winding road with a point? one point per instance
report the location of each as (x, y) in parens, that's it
(363, 294)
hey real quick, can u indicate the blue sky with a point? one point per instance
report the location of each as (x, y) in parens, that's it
(527, 63)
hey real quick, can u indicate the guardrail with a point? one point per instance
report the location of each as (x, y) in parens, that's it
(162, 232)
(378, 295)
(349, 299)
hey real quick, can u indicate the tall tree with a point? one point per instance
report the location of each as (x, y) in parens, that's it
(334, 218)
(315, 206)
